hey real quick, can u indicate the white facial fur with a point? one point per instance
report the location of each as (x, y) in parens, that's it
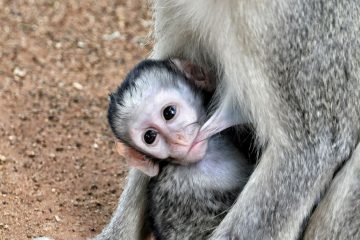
(176, 137)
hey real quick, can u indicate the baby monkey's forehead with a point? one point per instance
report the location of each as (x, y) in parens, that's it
(156, 77)
(153, 101)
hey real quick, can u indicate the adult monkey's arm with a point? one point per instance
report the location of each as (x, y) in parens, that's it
(127, 223)
(312, 65)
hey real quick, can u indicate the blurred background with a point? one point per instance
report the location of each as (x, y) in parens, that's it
(59, 173)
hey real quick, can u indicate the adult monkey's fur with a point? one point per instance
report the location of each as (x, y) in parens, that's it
(292, 67)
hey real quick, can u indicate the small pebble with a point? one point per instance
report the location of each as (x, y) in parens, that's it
(30, 153)
(2, 159)
(57, 218)
(58, 45)
(19, 72)
(112, 36)
(12, 138)
(81, 44)
(78, 86)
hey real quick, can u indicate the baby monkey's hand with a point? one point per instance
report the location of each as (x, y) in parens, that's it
(138, 160)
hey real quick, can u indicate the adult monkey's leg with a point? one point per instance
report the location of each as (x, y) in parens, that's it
(337, 215)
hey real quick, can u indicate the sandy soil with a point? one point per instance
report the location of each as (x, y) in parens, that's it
(59, 173)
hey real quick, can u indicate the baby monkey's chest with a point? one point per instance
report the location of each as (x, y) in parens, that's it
(178, 209)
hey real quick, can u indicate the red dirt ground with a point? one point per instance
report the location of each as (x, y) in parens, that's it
(59, 173)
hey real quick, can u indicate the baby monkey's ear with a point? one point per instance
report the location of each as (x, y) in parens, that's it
(194, 73)
(138, 160)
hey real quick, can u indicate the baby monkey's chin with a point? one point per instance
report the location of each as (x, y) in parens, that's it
(196, 153)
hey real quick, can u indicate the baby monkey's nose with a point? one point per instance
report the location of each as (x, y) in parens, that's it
(178, 139)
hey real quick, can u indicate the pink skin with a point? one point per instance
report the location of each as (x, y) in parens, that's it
(138, 160)
(219, 121)
(195, 74)
(147, 165)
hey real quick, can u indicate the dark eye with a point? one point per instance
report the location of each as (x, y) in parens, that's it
(169, 112)
(150, 136)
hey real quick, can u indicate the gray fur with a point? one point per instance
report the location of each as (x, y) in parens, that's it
(337, 216)
(294, 68)
(189, 202)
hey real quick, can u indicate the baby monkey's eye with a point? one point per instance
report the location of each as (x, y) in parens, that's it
(169, 112)
(150, 136)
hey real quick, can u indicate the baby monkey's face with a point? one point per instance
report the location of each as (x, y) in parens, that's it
(166, 127)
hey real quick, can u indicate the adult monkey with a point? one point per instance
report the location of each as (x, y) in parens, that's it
(292, 68)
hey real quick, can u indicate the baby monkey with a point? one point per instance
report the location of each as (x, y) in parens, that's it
(157, 112)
